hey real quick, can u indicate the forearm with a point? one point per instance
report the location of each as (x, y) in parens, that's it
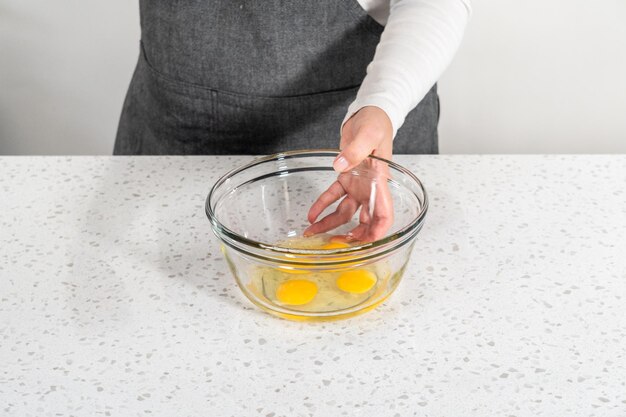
(418, 43)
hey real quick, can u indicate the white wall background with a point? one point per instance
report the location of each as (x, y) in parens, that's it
(532, 76)
(538, 76)
(64, 69)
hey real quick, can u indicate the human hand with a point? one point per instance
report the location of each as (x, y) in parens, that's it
(368, 131)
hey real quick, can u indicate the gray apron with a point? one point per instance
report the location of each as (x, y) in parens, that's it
(253, 77)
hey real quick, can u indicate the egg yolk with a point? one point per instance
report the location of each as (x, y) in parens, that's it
(357, 281)
(335, 245)
(296, 292)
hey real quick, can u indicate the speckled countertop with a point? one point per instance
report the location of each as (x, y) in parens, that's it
(115, 301)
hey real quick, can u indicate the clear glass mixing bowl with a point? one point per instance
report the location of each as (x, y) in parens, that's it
(259, 211)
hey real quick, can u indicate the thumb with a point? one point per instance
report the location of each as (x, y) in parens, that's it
(363, 143)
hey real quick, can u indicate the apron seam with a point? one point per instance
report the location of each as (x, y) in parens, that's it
(238, 101)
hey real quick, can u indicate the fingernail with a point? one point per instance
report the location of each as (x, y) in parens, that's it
(340, 164)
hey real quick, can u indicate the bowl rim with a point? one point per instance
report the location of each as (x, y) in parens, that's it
(220, 229)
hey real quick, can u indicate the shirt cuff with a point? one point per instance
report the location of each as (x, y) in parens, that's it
(395, 114)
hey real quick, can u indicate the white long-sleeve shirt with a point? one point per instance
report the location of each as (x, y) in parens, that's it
(417, 45)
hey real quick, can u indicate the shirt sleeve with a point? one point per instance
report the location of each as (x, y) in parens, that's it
(417, 45)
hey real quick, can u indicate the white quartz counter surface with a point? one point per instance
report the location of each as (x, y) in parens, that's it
(115, 301)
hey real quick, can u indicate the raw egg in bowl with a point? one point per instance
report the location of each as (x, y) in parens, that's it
(259, 213)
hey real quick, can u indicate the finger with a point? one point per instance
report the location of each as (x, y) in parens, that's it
(364, 218)
(364, 142)
(382, 218)
(358, 232)
(343, 214)
(341, 239)
(328, 197)
(364, 215)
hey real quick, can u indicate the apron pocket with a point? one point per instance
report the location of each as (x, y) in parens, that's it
(263, 125)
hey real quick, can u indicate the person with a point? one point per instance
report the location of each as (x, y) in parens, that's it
(260, 77)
